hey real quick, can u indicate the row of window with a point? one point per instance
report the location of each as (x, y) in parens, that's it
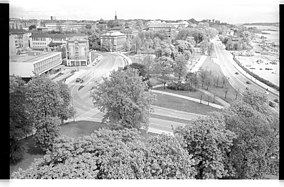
(44, 65)
(39, 43)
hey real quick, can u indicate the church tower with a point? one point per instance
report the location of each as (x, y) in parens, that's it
(115, 17)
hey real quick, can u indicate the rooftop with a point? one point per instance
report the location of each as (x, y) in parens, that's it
(26, 58)
(113, 33)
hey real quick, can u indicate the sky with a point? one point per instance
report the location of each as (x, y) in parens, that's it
(230, 11)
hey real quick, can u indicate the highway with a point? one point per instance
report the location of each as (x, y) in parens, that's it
(85, 109)
(225, 59)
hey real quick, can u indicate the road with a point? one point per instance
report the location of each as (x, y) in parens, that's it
(85, 109)
(225, 59)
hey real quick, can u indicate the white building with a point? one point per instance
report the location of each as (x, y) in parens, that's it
(27, 65)
(78, 51)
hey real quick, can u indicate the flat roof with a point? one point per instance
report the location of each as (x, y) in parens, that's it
(30, 58)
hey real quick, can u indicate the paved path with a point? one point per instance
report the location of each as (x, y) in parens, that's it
(198, 64)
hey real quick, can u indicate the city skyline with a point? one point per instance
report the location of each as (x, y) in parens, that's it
(226, 11)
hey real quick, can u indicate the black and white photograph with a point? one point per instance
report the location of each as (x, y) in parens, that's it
(121, 89)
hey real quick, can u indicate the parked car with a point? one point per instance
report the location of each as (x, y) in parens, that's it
(236, 73)
(247, 82)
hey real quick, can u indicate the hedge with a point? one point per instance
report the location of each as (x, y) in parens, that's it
(256, 76)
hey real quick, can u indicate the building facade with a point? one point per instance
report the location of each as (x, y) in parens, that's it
(28, 65)
(78, 51)
(18, 41)
(169, 28)
(113, 40)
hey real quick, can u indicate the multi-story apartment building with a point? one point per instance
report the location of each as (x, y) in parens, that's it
(78, 51)
(113, 40)
(27, 65)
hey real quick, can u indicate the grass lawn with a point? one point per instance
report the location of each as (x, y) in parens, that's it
(216, 71)
(175, 103)
(195, 94)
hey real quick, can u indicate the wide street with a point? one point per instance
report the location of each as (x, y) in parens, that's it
(225, 59)
(85, 109)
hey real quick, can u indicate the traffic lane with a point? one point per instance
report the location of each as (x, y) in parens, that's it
(226, 61)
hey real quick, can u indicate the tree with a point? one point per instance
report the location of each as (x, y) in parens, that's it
(106, 154)
(164, 67)
(88, 26)
(255, 152)
(44, 97)
(19, 119)
(124, 99)
(127, 45)
(191, 78)
(204, 75)
(180, 66)
(226, 91)
(66, 110)
(209, 142)
(32, 27)
(148, 62)
(208, 82)
(47, 129)
(224, 80)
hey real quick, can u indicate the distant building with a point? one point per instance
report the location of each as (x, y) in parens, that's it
(78, 51)
(18, 40)
(159, 26)
(113, 40)
(33, 62)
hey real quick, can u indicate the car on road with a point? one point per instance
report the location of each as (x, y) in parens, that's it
(79, 80)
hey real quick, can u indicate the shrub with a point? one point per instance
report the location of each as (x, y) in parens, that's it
(180, 86)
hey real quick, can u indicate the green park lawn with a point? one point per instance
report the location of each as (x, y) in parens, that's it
(219, 91)
(195, 94)
(176, 103)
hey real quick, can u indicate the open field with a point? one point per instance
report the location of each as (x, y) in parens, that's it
(182, 104)
(219, 91)
(195, 94)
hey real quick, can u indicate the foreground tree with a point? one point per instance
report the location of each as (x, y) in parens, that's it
(255, 152)
(47, 130)
(49, 101)
(124, 99)
(66, 111)
(209, 143)
(107, 154)
(19, 120)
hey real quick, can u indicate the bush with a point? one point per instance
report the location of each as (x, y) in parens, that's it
(272, 104)
(180, 86)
